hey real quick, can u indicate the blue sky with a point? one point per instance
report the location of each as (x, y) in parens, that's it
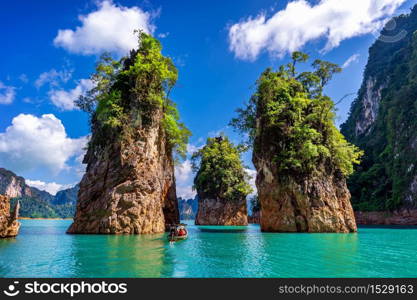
(49, 50)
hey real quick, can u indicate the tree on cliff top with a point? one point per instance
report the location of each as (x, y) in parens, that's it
(290, 110)
(128, 92)
(220, 171)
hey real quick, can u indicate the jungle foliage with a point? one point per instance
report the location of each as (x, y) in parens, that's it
(129, 92)
(220, 171)
(291, 113)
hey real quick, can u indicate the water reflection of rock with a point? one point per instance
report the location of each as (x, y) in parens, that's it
(215, 254)
(310, 255)
(121, 256)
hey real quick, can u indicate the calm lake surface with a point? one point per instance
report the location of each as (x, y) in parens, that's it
(44, 250)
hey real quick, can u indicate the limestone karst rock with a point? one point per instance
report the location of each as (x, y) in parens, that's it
(9, 224)
(301, 158)
(221, 184)
(129, 185)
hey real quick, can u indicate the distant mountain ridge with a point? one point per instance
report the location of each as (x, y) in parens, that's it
(34, 202)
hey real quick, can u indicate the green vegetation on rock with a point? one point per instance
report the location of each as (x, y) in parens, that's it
(298, 119)
(128, 93)
(220, 171)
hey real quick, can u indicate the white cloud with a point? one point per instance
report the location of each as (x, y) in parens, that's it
(65, 99)
(50, 187)
(183, 171)
(350, 60)
(7, 93)
(301, 22)
(252, 180)
(53, 78)
(109, 28)
(38, 143)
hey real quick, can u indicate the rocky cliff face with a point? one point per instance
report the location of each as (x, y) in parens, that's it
(403, 217)
(311, 204)
(129, 185)
(255, 218)
(129, 188)
(67, 197)
(382, 122)
(12, 185)
(301, 158)
(221, 212)
(370, 106)
(9, 226)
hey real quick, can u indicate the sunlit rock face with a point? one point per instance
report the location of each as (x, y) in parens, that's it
(12, 185)
(129, 187)
(9, 225)
(303, 204)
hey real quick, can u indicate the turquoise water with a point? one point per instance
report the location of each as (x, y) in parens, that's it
(44, 250)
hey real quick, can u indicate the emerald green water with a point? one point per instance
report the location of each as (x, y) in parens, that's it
(44, 250)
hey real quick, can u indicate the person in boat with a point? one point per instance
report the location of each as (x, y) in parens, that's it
(182, 231)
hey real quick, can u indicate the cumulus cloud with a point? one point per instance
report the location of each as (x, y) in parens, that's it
(32, 142)
(183, 171)
(354, 58)
(301, 22)
(184, 180)
(50, 187)
(7, 93)
(109, 28)
(53, 78)
(65, 99)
